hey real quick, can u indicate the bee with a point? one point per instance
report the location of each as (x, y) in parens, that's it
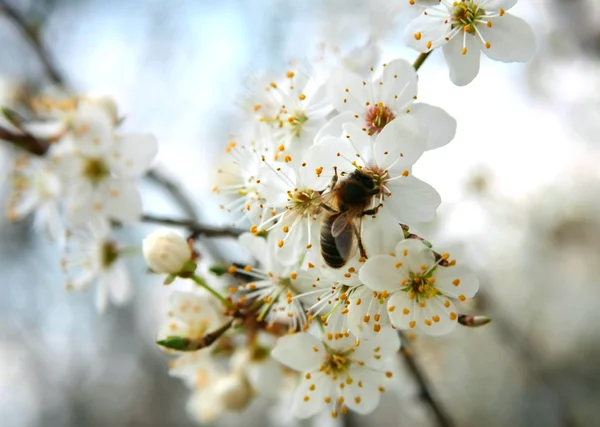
(346, 203)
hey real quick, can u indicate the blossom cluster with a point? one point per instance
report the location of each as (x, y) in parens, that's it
(319, 183)
(321, 172)
(83, 184)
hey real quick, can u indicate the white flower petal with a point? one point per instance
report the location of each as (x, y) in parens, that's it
(440, 126)
(363, 303)
(376, 349)
(346, 90)
(398, 84)
(362, 394)
(511, 39)
(359, 140)
(102, 294)
(404, 310)
(132, 154)
(427, 32)
(400, 143)
(378, 239)
(497, 4)
(122, 200)
(334, 126)
(380, 273)
(463, 68)
(307, 402)
(455, 281)
(414, 254)
(413, 200)
(256, 246)
(119, 283)
(436, 317)
(297, 351)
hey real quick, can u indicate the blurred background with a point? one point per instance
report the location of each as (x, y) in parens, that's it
(520, 185)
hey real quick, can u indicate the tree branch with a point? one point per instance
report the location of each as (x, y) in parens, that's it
(25, 142)
(442, 417)
(32, 38)
(196, 228)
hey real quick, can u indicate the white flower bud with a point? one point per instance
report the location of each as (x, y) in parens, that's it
(233, 392)
(166, 251)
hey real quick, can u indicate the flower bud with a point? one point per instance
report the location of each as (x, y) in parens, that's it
(233, 392)
(166, 252)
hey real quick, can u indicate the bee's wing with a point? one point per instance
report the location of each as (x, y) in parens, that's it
(343, 231)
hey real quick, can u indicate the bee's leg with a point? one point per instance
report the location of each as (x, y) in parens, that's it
(327, 208)
(372, 211)
(334, 179)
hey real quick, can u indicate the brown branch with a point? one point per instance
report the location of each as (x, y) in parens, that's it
(194, 227)
(31, 35)
(425, 389)
(25, 142)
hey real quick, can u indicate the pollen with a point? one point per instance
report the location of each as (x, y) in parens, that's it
(388, 374)
(290, 75)
(301, 97)
(418, 36)
(428, 322)
(392, 308)
(429, 44)
(312, 387)
(488, 45)
(280, 243)
(464, 50)
(398, 264)
(327, 400)
(456, 282)
(293, 275)
(232, 269)
(436, 318)
(311, 265)
(406, 311)
(502, 12)
(447, 304)
(412, 324)
(453, 316)
(405, 252)
(306, 398)
(248, 268)
(287, 158)
(462, 297)
(286, 228)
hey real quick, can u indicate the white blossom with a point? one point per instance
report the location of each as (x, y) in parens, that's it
(340, 373)
(37, 188)
(100, 169)
(388, 160)
(372, 103)
(92, 256)
(419, 291)
(192, 315)
(466, 28)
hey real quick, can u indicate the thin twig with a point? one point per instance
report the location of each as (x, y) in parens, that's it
(32, 38)
(421, 59)
(425, 389)
(195, 227)
(186, 205)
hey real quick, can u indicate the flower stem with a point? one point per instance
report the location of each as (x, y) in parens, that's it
(200, 282)
(421, 59)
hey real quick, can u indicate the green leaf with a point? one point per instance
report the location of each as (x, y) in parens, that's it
(219, 270)
(13, 117)
(175, 343)
(169, 279)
